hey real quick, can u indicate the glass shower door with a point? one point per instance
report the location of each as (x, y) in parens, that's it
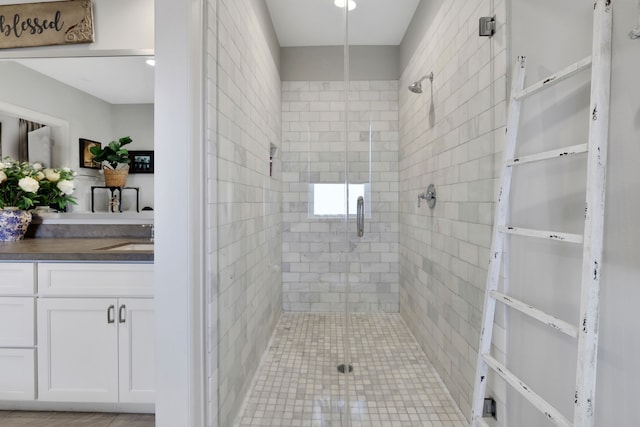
(372, 282)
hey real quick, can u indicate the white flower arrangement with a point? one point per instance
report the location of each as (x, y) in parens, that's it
(26, 185)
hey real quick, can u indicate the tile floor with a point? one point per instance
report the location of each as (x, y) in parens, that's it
(74, 419)
(393, 383)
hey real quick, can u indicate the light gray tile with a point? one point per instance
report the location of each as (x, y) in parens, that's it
(393, 383)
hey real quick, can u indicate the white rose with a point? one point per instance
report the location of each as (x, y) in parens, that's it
(66, 169)
(29, 184)
(65, 186)
(37, 166)
(3, 176)
(51, 175)
(39, 176)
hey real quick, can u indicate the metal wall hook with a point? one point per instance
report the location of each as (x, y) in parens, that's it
(429, 196)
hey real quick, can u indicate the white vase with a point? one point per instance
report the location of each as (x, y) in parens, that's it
(13, 224)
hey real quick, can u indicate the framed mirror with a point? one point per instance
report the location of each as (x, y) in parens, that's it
(74, 99)
(85, 92)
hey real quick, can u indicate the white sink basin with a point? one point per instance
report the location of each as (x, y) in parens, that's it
(130, 247)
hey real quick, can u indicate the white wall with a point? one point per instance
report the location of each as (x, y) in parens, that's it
(10, 136)
(25, 88)
(552, 35)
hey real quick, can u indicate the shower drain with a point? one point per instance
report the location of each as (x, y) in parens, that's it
(341, 368)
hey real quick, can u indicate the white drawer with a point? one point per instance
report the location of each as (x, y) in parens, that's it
(17, 278)
(17, 374)
(95, 279)
(17, 321)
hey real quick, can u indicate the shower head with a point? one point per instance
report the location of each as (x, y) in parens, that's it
(416, 87)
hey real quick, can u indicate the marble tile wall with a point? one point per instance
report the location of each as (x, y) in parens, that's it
(211, 230)
(316, 254)
(245, 219)
(451, 135)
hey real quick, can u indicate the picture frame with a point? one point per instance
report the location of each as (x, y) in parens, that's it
(86, 158)
(142, 161)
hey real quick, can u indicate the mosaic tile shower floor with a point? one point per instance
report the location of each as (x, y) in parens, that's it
(393, 383)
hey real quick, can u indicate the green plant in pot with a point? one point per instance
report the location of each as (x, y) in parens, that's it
(115, 161)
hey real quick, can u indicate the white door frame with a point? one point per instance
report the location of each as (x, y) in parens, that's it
(180, 196)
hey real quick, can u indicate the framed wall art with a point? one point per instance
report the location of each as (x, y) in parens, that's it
(141, 161)
(86, 158)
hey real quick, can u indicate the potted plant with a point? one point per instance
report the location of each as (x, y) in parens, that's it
(115, 161)
(25, 186)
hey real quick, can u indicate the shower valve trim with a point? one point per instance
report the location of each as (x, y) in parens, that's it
(429, 196)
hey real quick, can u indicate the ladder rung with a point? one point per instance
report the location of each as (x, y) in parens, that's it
(554, 78)
(552, 235)
(479, 422)
(560, 152)
(537, 314)
(545, 407)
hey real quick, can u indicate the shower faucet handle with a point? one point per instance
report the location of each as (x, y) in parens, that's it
(429, 196)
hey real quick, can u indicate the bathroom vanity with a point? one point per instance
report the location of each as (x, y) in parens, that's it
(77, 324)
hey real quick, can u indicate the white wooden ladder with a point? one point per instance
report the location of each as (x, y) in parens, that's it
(586, 329)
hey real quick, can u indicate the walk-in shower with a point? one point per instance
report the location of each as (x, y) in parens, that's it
(416, 87)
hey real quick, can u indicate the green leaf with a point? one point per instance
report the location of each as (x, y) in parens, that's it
(125, 140)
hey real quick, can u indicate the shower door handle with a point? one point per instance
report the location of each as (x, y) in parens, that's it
(360, 217)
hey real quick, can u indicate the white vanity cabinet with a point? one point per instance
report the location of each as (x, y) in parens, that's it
(17, 334)
(95, 332)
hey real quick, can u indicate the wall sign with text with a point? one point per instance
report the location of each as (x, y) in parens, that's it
(46, 24)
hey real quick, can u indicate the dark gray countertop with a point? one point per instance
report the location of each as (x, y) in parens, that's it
(76, 249)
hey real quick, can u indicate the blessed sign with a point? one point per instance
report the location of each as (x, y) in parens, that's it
(45, 24)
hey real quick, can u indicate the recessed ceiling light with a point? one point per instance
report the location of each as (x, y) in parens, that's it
(151, 62)
(341, 3)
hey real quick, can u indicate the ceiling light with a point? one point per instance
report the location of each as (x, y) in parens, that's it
(341, 3)
(151, 62)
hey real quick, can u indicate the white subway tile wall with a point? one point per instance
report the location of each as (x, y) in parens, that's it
(244, 121)
(211, 288)
(316, 257)
(451, 136)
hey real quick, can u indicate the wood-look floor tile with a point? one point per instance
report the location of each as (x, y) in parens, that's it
(74, 419)
(133, 420)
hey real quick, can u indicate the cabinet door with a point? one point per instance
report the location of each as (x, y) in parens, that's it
(17, 374)
(17, 322)
(18, 278)
(137, 350)
(77, 350)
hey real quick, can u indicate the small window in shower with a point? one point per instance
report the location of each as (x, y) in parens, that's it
(329, 199)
